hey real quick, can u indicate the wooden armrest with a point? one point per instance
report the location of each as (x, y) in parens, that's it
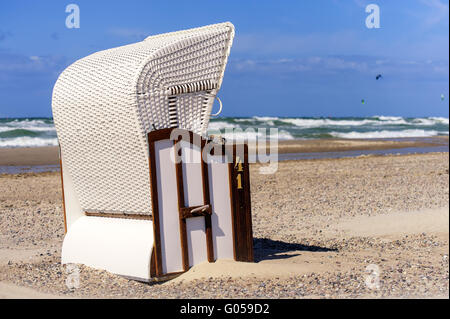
(195, 211)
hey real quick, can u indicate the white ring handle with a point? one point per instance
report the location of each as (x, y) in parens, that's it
(220, 107)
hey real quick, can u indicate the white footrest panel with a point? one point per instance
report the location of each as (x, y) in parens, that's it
(120, 246)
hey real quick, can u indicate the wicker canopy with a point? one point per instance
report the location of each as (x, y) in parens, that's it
(106, 103)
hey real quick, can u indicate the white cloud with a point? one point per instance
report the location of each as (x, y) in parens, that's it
(438, 12)
(16, 64)
(340, 65)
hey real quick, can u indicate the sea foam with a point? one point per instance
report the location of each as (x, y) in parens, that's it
(388, 134)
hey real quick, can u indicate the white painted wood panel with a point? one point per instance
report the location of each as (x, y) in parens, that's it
(168, 207)
(71, 203)
(193, 196)
(120, 246)
(221, 207)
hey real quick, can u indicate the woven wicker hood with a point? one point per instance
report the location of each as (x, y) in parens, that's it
(105, 104)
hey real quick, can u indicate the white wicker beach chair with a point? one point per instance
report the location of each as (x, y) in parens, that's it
(106, 107)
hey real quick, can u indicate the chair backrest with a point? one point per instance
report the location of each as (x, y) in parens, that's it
(105, 104)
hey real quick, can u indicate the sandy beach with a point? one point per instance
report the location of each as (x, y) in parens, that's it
(41, 156)
(318, 225)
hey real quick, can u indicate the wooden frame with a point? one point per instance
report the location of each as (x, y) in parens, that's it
(184, 212)
(118, 215)
(239, 199)
(241, 206)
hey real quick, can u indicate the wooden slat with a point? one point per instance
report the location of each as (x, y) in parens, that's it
(207, 201)
(153, 265)
(155, 208)
(241, 209)
(124, 216)
(187, 212)
(181, 204)
(248, 210)
(168, 276)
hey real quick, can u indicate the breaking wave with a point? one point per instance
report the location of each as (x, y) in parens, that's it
(33, 132)
(388, 134)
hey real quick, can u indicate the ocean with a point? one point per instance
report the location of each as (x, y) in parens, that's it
(33, 132)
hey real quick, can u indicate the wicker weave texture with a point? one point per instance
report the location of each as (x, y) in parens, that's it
(105, 104)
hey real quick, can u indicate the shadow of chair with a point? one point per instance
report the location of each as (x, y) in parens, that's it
(265, 249)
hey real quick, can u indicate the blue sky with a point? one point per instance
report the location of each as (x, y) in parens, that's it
(289, 58)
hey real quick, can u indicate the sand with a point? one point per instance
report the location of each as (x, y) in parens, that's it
(10, 291)
(339, 145)
(318, 224)
(29, 156)
(394, 224)
(37, 156)
(384, 225)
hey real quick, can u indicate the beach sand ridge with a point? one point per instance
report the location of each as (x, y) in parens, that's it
(318, 225)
